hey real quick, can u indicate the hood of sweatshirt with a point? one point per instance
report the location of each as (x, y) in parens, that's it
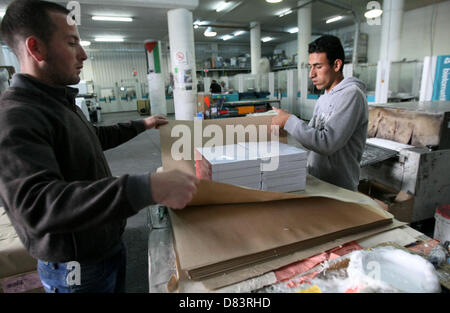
(347, 82)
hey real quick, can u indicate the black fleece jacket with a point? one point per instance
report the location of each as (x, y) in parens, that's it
(55, 182)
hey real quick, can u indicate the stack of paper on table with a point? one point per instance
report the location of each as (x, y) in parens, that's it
(270, 166)
(229, 164)
(221, 232)
(283, 167)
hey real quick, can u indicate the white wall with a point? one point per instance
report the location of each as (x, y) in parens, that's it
(417, 41)
(9, 58)
(416, 38)
(290, 48)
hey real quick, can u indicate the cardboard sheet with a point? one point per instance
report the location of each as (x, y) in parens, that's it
(229, 281)
(227, 227)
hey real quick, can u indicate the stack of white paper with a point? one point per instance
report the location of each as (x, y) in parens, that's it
(270, 166)
(283, 167)
(229, 164)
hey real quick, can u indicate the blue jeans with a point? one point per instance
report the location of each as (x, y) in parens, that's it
(106, 276)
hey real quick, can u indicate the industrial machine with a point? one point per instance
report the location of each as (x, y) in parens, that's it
(408, 152)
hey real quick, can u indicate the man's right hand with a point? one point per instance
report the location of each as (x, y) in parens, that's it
(173, 189)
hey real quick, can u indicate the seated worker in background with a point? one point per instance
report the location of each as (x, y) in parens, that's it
(215, 87)
(55, 182)
(224, 89)
(337, 132)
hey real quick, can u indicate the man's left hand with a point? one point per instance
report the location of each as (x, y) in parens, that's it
(155, 121)
(281, 118)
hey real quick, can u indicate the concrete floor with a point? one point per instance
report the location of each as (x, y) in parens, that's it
(139, 155)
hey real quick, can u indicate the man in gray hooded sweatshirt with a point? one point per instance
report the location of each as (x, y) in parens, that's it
(337, 132)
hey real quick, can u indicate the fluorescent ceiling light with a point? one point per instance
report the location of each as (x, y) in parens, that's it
(2, 13)
(109, 39)
(195, 26)
(266, 39)
(373, 13)
(209, 32)
(112, 18)
(293, 30)
(226, 37)
(223, 5)
(334, 19)
(239, 32)
(274, 1)
(85, 43)
(284, 12)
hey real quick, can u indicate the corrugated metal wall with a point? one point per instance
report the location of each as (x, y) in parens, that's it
(109, 63)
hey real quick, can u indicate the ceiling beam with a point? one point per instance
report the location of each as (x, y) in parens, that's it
(161, 4)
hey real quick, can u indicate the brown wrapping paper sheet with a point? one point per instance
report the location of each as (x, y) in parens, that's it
(258, 269)
(214, 238)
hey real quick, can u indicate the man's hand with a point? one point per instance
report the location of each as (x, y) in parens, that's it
(281, 118)
(174, 188)
(155, 121)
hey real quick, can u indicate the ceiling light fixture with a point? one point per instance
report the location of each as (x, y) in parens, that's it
(293, 30)
(85, 43)
(209, 32)
(266, 39)
(109, 39)
(226, 37)
(373, 13)
(223, 6)
(274, 1)
(284, 12)
(112, 18)
(334, 19)
(239, 32)
(2, 13)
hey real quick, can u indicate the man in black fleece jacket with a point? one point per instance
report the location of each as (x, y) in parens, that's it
(55, 182)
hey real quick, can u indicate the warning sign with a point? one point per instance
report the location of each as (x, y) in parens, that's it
(180, 56)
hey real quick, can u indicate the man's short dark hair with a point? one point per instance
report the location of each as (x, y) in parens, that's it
(24, 18)
(331, 45)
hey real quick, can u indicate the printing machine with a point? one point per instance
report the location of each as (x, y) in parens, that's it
(408, 150)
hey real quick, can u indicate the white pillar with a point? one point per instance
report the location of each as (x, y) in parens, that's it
(182, 55)
(292, 89)
(391, 29)
(390, 43)
(272, 85)
(255, 46)
(2, 58)
(304, 24)
(155, 77)
(214, 54)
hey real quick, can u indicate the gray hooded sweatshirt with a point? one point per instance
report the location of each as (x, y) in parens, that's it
(336, 134)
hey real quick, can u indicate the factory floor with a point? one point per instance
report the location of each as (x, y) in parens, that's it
(139, 155)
